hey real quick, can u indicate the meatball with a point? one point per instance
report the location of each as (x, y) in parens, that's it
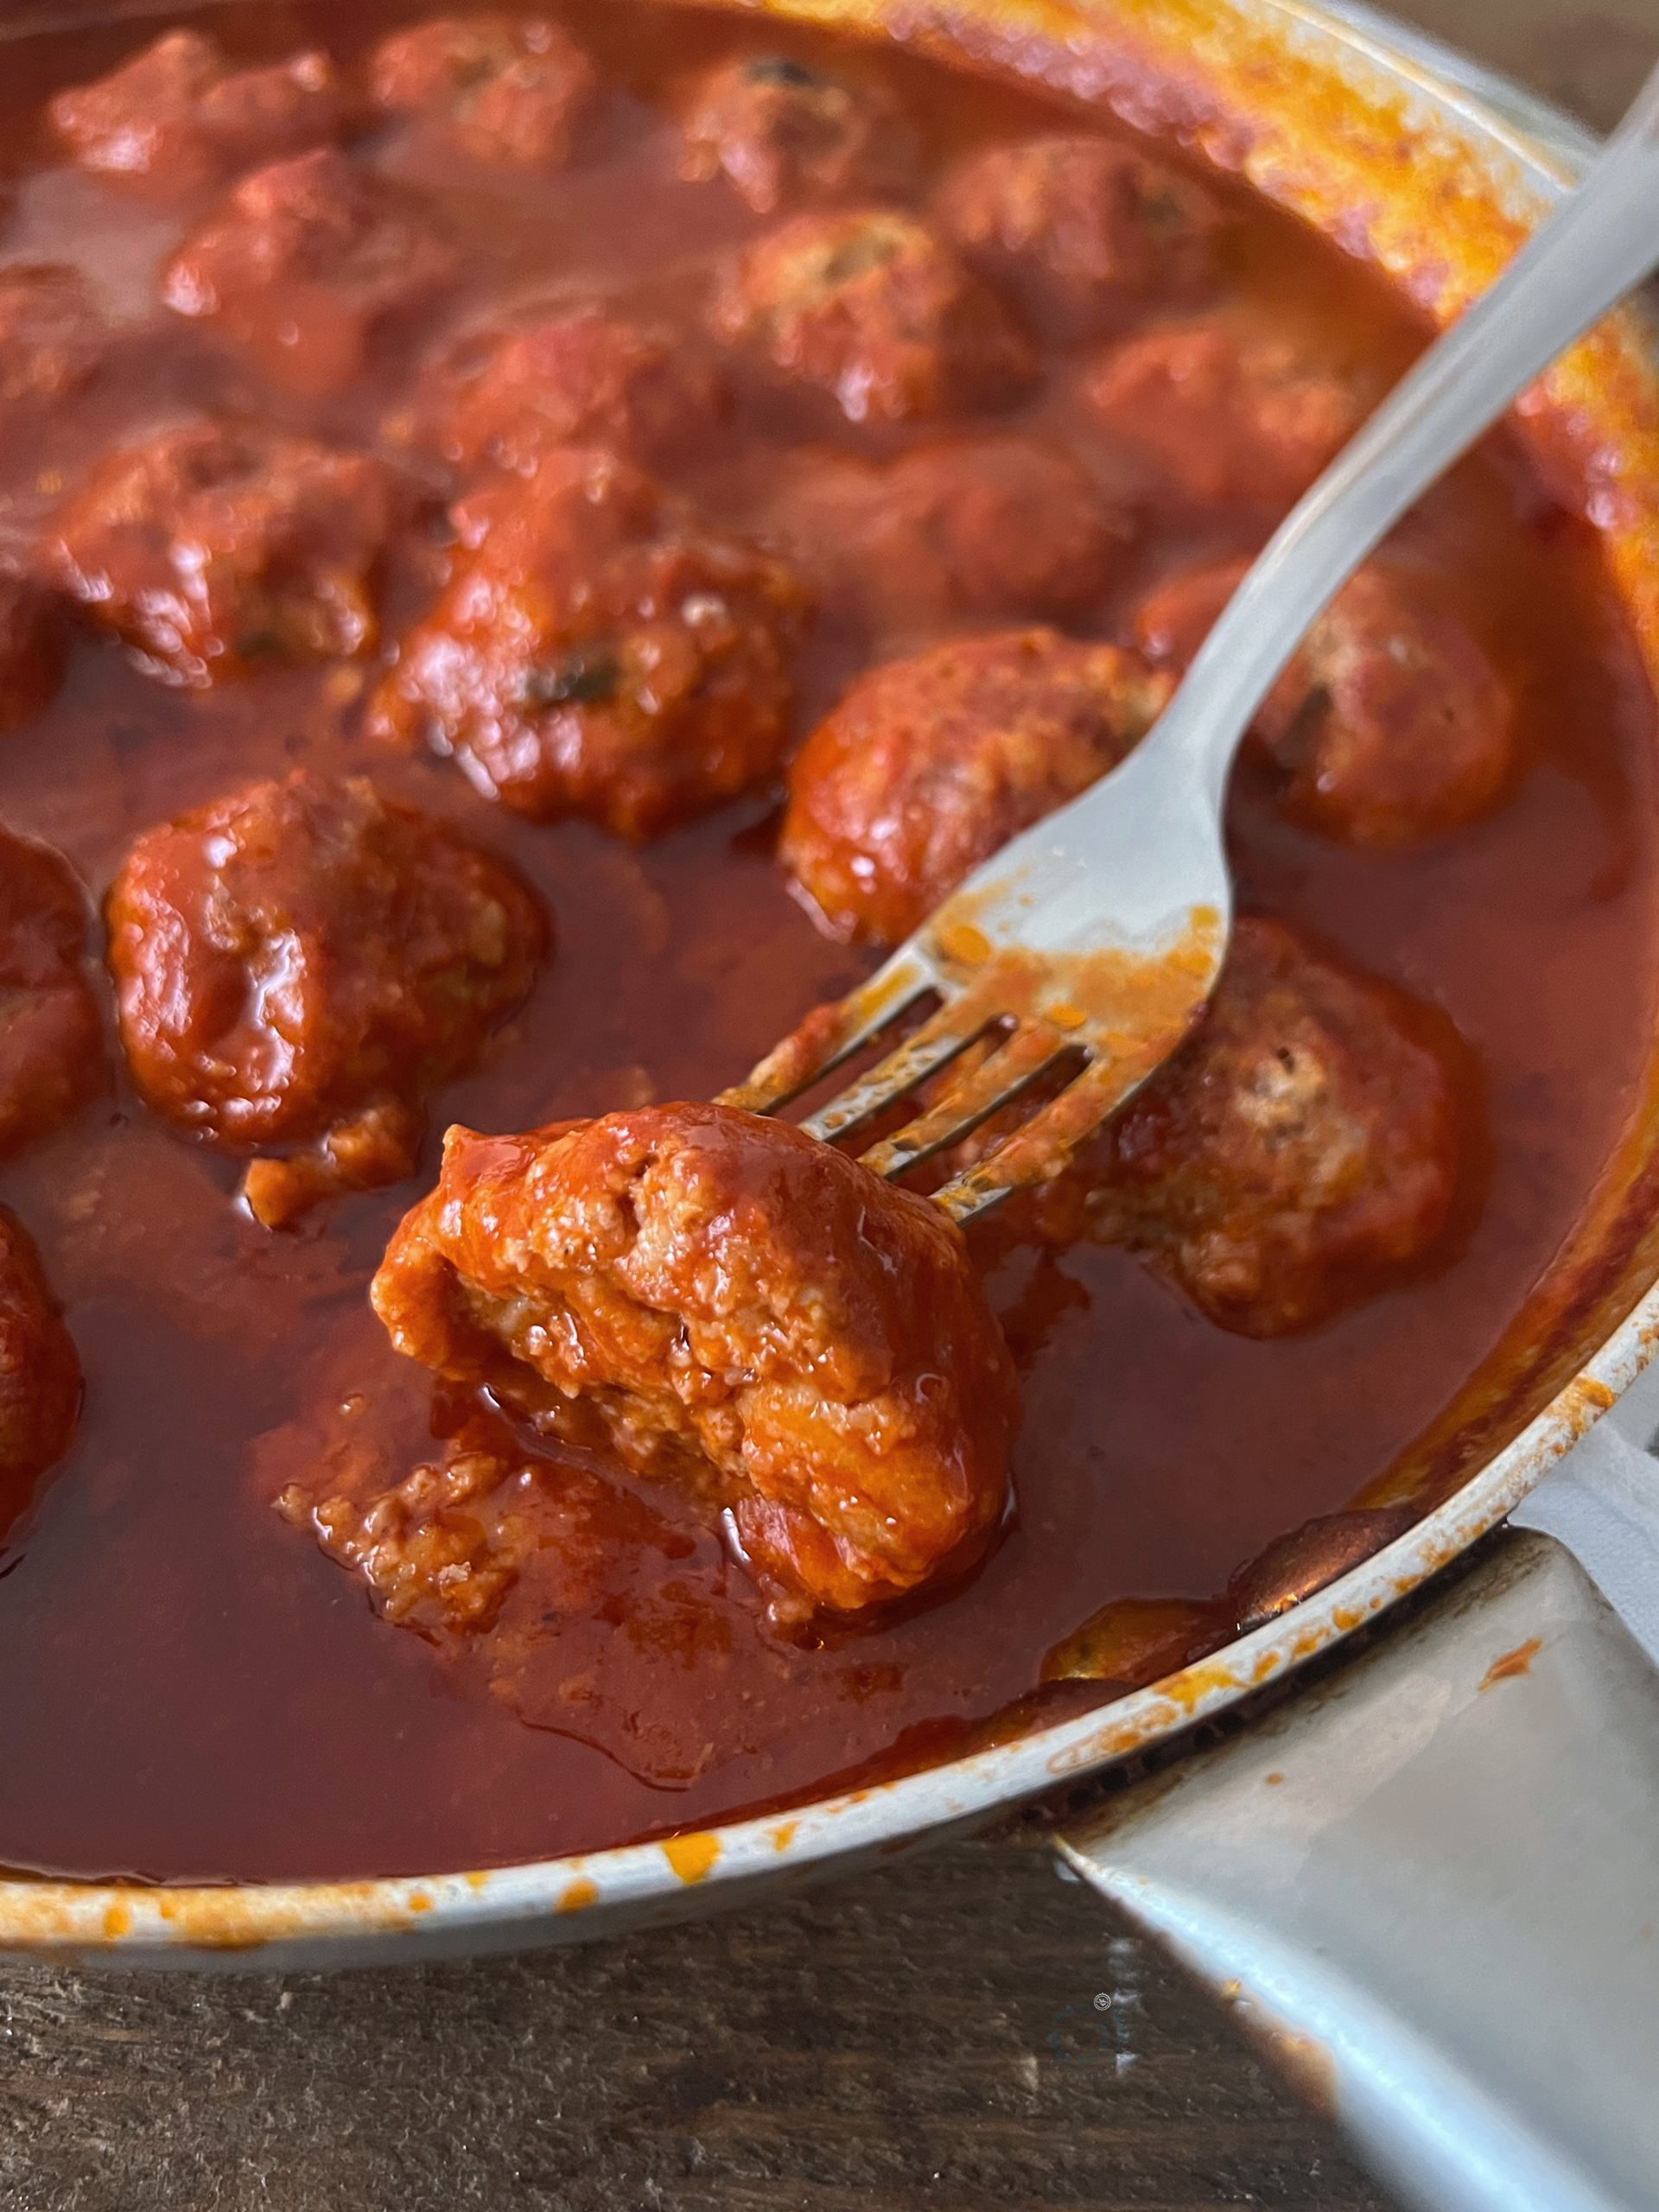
(964, 528)
(51, 1038)
(1077, 230)
(32, 648)
(601, 651)
(507, 396)
(876, 309)
(213, 550)
(51, 332)
(739, 1306)
(928, 765)
(783, 134)
(40, 1374)
(307, 267)
(1301, 1148)
(177, 118)
(1226, 415)
(1390, 723)
(498, 87)
(302, 963)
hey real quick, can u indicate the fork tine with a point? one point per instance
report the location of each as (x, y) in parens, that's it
(979, 1093)
(936, 1043)
(831, 1034)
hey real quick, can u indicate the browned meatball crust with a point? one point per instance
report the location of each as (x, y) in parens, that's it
(875, 307)
(40, 1374)
(1301, 1149)
(213, 550)
(785, 135)
(307, 268)
(735, 1305)
(501, 88)
(1390, 723)
(305, 962)
(928, 765)
(601, 651)
(51, 1038)
(1080, 230)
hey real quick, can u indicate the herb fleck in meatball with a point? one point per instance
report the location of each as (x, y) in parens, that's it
(51, 333)
(737, 1306)
(307, 268)
(178, 118)
(502, 88)
(875, 308)
(1390, 723)
(40, 1374)
(783, 134)
(51, 1039)
(601, 651)
(303, 964)
(1080, 230)
(928, 765)
(212, 549)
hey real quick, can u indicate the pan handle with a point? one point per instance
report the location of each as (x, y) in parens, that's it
(1429, 1886)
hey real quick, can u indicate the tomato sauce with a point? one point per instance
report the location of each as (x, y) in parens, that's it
(192, 1691)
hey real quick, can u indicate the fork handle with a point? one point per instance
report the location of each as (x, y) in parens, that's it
(1585, 257)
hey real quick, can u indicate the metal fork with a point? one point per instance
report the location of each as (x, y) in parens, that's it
(1096, 937)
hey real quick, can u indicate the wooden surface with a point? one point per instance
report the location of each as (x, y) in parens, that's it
(922, 2038)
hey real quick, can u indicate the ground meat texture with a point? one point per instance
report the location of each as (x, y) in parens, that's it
(508, 396)
(875, 308)
(32, 648)
(739, 1307)
(927, 766)
(1301, 1149)
(214, 551)
(304, 962)
(40, 1374)
(178, 119)
(962, 529)
(500, 88)
(601, 651)
(307, 267)
(51, 1038)
(1223, 415)
(1080, 230)
(1390, 723)
(784, 134)
(51, 332)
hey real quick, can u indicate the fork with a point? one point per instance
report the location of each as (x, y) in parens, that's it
(1094, 938)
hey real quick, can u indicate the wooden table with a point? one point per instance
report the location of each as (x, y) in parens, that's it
(884, 2043)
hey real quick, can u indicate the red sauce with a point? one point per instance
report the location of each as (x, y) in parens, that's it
(192, 1690)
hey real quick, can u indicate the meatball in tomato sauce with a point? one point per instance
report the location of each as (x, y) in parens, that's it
(304, 963)
(51, 1037)
(52, 333)
(212, 549)
(307, 267)
(928, 765)
(503, 89)
(40, 1373)
(601, 651)
(178, 119)
(1390, 723)
(786, 135)
(735, 1305)
(875, 308)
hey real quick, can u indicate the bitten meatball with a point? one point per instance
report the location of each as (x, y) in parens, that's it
(739, 1306)
(1080, 230)
(783, 134)
(928, 765)
(967, 527)
(307, 267)
(876, 309)
(177, 118)
(500, 87)
(508, 396)
(32, 647)
(1390, 723)
(215, 550)
(601, 651)
(301, 964)
(40, 1374)
(51, 332)
(51, 1041)
(1301, 1148)
(1223, 415)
